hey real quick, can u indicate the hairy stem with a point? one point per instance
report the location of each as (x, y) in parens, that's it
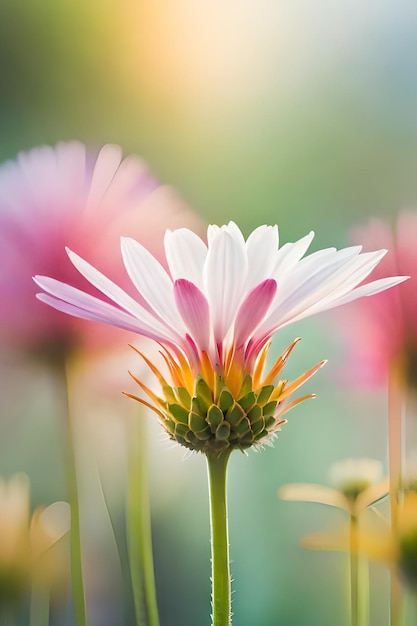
(220, 569)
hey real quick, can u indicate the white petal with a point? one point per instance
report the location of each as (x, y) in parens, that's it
(337, 288)
(104, 284)
(224, 275)
(343, 282)
(233, 229)
(152, 281)
(290, 254)
(262, 249)
(186, 254)
(311, 279)
(372, 288)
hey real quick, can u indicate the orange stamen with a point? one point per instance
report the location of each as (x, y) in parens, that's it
(260, 365)
(188, 377)
(152, 367)
(147, 404)
(174, 369)
(294, 403)
(207, 371)
(148, 391)
(279, 364)
(301, 380)
(234, 378)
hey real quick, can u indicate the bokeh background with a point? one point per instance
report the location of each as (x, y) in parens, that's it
(291, 112)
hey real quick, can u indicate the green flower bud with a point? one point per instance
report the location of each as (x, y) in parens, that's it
(210, 425)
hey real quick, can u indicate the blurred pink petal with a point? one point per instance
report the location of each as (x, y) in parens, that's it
(64, 196)
(382, 331)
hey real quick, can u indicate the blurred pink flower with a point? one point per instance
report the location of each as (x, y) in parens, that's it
(53, 197)
(382, 331)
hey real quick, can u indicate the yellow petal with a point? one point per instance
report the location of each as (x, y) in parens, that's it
(49, 525)
(372, 495)
(307, 492)
(336, 540)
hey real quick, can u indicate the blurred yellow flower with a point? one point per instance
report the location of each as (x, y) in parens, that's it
(396, 545)
(358, 483)
(30, 548)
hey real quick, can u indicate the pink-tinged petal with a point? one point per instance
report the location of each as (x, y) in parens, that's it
(75, 296)
(194, 309)
(186, 254)
(254, 348)
(252, 310)
(93, 306)
(224, 276)
(152, 281)
(116, 320)
(83, 313)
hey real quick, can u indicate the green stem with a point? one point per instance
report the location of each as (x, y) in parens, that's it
(359, 578)
(77, 581)
(354, 571)
(220, 569)
(139, 528)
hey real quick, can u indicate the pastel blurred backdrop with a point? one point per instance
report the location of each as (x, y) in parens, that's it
(297, 113)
